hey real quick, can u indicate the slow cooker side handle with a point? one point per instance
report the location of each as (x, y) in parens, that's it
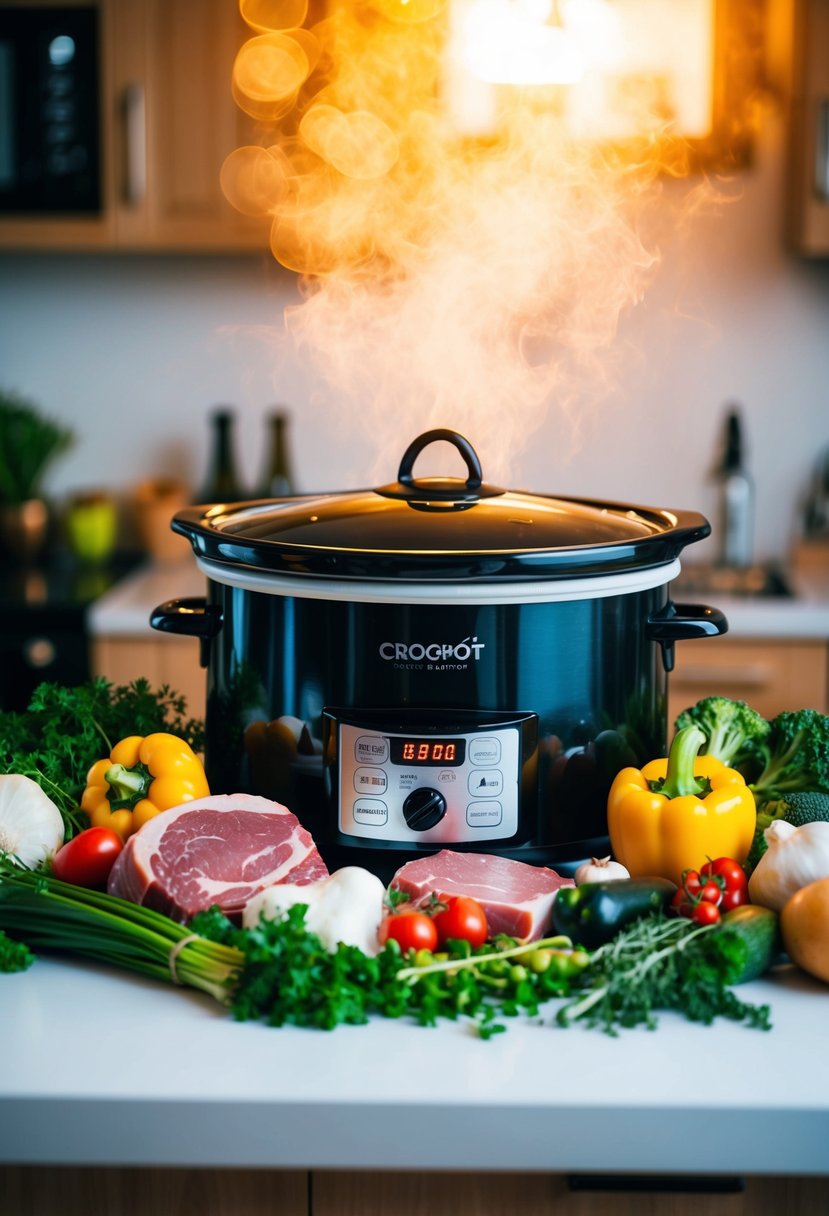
(193, 618)
(683, 621)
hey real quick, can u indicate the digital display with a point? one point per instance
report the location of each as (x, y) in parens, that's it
(444, 753)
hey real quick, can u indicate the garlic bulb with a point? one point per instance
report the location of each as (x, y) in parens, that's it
(31, 827)
(794, 858)
(600, 869)
(346, 907)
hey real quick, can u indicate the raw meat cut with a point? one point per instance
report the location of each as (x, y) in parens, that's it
(217, 850)
(517, 897)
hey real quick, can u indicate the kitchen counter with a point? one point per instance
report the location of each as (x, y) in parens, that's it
(126, 608)
(104, 1068)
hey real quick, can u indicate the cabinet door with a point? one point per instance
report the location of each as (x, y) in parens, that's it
(161, 660)
(809, 136)
(770, 675)
(168, 120)
(172, 104)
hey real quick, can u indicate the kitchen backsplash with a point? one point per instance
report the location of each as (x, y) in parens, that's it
(136, 352)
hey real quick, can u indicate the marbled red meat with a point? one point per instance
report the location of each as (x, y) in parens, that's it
(517, 898)
(217, 850)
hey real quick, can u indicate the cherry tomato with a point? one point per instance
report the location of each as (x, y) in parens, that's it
(87, 858)
(691, 882)
(411, 931)
(705, 913)
(711, 892)
(462, 918)
(729, 870)
(734, 898)
(681, 904)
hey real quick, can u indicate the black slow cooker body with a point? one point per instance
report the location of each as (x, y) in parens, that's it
(437, 663)
(583, 671)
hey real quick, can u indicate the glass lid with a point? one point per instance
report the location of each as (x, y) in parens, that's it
(438, 527)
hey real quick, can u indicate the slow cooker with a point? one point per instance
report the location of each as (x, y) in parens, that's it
(437, 662)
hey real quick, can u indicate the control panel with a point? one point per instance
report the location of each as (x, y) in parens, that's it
(429, 778)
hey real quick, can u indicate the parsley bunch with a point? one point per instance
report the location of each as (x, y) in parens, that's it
(661, 963)
(66, 729)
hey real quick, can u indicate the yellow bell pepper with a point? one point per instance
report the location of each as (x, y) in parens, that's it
(677, 812)
(142, 776)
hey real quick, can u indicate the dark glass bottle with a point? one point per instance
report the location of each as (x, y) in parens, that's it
(222, 483)
(277, 476)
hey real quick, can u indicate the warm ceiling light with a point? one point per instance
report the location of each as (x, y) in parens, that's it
(521, 42)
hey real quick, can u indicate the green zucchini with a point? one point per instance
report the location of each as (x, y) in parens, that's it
(759, 930)
(592, 914)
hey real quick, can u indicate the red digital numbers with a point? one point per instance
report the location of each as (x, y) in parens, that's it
(426, 752)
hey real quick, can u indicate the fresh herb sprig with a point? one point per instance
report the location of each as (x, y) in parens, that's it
(663, 963)
(66, 729)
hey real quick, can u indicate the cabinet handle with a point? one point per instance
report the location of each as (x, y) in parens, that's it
(756, 675)
(135, 145)
(822, 150)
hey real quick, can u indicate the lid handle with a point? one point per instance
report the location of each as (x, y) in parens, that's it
(406, 475)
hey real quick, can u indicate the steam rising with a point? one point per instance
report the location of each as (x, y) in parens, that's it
(448, 279)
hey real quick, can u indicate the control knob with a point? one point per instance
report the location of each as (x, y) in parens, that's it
(423, 808)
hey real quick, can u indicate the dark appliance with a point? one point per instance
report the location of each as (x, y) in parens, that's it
(437, 662)
(50, 138)
(44, 623)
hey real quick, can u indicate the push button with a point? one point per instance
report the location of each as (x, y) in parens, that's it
(485, 751)
(370, 781)
(485, 782)
(484, 814)
(371, 749)
(371, 811)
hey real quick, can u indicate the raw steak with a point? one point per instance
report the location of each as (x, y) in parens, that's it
(517, 898)
(217, 850)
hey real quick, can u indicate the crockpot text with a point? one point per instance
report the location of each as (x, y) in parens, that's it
(432, 652)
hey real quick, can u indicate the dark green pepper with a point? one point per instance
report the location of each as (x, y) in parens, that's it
(592, 914)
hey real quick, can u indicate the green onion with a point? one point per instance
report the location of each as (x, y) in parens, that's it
(53, 915)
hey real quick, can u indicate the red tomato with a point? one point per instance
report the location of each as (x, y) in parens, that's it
(705, 913)
(87, 858)
(729, 870)
(411, 931)
(681, 904)
(691, 882)
(462, 918)
(734, 899)
(711, 892)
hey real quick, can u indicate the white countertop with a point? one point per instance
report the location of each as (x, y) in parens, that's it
(102, 1067)
(125, 609)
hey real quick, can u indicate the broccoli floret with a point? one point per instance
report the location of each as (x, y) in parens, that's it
(804, 806)
(794, 756)
(733, 730)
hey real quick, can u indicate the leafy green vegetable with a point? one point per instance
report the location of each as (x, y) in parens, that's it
(66, 729)
(29, 442)
(794, 756)
(14, 956)
(732, 729)
(661, 963)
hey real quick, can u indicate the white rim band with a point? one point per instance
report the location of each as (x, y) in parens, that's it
(359, 592)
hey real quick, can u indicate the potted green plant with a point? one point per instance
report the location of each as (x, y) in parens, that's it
(29, 442)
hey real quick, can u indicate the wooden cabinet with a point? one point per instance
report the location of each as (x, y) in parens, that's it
(806, 43)
(770, 674)
(159, 658)
(168, 120)
(39, 1191)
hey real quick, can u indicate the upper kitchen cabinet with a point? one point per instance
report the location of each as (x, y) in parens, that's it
(808, 89)
(167, 121)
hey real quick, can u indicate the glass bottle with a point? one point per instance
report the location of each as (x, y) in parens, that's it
(222, 483)
(277, 476)
(737, 492)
